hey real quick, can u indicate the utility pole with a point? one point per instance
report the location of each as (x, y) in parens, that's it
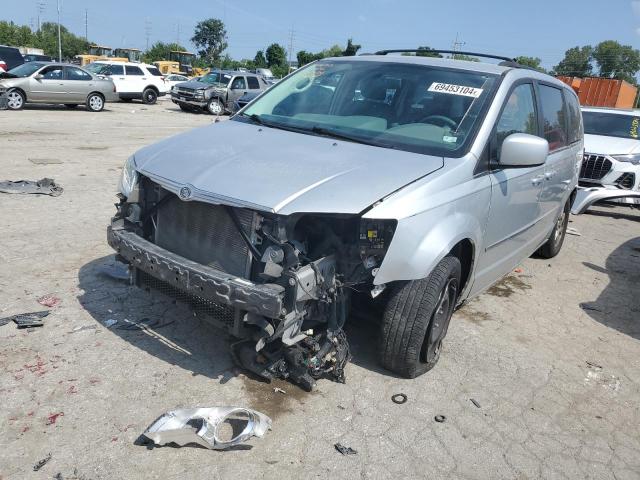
(178, 34)
(86, 24)
(457, 45)
(147, 30)
(40, 6)
(291, 37)
(59, 38)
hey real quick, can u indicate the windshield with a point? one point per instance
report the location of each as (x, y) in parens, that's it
(26, 69)
(612, 124)
(411, 107)
(215, 78)
(96, 67)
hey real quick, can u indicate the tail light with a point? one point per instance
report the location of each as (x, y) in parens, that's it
(3, 65)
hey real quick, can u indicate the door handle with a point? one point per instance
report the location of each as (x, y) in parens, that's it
(536, 180)
(549, 175)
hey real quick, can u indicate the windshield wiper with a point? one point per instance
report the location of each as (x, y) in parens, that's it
(327, 132)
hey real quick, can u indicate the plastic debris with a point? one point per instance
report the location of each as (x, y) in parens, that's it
(26, 320)
(440, 418)
(46, 186)
(475, 402)
(41, 463)
(344, 450)
(110, 323)
(53, 418)
(573, 231)
(399, 398)
(49, 300)
(279, 390)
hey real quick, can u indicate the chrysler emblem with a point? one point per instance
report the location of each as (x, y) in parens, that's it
(185, 193)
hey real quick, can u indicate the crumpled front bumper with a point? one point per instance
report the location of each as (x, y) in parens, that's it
(586, 197)
(197, 279)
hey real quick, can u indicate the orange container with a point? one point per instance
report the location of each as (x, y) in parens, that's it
(603, 92)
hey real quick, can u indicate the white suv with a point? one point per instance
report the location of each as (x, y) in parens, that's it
(611, 165)
(133, 80)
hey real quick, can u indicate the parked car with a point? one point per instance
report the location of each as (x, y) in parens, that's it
(611, 166)
(37, 82)
(32, 57)
(133, 81)
(10, 57)
(410, 198)
(174, 79)
(217, 91)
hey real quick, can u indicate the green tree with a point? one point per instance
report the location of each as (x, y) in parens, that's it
(47, 40)
(259, 60)
(617, 61)
(211, 39)
(576, 63)
(161, 51)
(532, 62)
(351, 49)
(335, 51)
(427, 52)
(468, 58)
(276, 56)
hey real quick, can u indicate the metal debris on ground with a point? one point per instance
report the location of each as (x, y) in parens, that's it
(46, 186)
(344, 450)
(217, 428)
(475, 402)
(116, 271)
(26, 320)
(49, 300)
(110, 323)
(593, 365)
(440, 418)
(81, 328)
(399, 398)
(279, 390)
(41, 463)
(573, 231)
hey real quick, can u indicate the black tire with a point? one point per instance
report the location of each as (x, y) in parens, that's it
(71, 105)
(416, 319)
(95, 102)
(15, 99)
(149, 96)
(553, 245)
(215, 107)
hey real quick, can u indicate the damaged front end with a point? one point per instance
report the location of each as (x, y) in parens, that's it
(281, 284)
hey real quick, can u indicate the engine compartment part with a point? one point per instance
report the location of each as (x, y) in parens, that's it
(216, 428)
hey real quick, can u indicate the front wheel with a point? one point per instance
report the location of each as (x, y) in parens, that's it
(15, 100)
(214, 107)
(95, 102)
(552, 246)
(416, 319)
(149, 96)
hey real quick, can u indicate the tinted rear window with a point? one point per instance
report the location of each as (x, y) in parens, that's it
(154, 71)
(133, 70)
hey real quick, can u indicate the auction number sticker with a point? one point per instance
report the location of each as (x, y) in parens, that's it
(456, 89)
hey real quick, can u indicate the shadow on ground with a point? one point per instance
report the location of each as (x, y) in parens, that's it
(178, 337)
(618, 305)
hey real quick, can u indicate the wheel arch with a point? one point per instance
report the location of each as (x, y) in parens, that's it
(24, 94)
(152, 87)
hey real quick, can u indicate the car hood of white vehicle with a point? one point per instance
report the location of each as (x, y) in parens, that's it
(279, 171)
(603, 145)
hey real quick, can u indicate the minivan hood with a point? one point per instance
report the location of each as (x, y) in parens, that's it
(603, 145)
(273, 170)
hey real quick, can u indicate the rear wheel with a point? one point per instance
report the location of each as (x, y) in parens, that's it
(95, 102)
(149, 96)
(416, 320)
(554, 243)
(15, 100)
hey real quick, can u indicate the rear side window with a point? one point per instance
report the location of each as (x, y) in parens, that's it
(77, 74)
(519, 114)
(131, 70)
(154, 71)
(575, 117)
(116, 69)
(554, 117)
(253, 83)
(238, 83)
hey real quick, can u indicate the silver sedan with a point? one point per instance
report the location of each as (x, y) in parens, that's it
(38, 82)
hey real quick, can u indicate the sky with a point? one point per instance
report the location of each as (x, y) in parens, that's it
(544, 28)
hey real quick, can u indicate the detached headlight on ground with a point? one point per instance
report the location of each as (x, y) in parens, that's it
(129, 177)
(633, 159)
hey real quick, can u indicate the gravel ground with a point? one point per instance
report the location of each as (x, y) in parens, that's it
(550, 356)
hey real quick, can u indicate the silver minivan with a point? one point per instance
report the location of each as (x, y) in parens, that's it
(395, 186)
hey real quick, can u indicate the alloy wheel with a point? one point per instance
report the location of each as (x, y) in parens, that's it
(14, 100)
(96, 103)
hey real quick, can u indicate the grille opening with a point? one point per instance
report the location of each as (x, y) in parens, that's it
(594, 167)
(626, 180)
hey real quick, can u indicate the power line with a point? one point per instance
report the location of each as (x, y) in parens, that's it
(457, 45)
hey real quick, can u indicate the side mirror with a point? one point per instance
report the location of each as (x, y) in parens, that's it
(39, 76)
(523, 150)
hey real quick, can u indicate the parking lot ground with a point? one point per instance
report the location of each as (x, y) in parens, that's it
(551, 356)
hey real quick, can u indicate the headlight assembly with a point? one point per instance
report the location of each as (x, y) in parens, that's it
(633, 159)
(129, 177)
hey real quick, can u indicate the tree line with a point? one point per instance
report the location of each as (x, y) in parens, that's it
(608, 59)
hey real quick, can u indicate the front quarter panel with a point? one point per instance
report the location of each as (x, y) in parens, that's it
(433, 215)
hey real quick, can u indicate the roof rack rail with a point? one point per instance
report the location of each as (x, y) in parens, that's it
(452, 52)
